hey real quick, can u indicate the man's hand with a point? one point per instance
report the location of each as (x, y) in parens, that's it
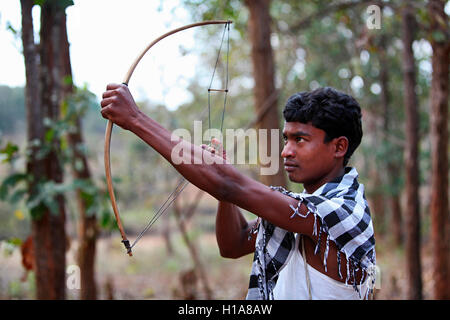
(215, 148)
(118, 106)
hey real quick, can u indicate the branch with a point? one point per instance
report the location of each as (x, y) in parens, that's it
(328, 10)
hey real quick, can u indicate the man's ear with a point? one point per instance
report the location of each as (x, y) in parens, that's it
(341, 145)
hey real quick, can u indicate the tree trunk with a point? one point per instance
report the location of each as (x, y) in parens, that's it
(264, 77)
(35, 123)
(411, 157)
(87, 229)
(396, 218)
(48, 228)
(439, 152)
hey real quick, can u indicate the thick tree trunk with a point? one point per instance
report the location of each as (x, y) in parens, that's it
(48, 228)
(87, 229)
(439, 150)
(414, 270)
(35, 123)
(264, 77)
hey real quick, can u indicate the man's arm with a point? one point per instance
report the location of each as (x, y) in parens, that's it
(232, 231)
(222, 181)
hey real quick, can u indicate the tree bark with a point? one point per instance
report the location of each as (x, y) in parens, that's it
(48, 229)
(439, 152)
(35, 124)
(34, 117)
(412, 213)
(264, 78)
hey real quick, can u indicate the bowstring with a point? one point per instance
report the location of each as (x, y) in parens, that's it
(183, 183)
(162, 209)
(225, 29)
(227, 26)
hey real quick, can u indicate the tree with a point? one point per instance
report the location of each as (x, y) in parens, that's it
(43, 98)
(440, 44)
(412, 212)
(264, 92)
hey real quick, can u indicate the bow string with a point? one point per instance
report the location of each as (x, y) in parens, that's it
(182, 183)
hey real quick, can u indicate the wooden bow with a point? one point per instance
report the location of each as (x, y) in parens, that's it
(109, 126)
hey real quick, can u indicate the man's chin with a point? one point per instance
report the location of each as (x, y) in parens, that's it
(294, 177)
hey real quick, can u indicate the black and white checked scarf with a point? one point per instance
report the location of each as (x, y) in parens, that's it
(344, 216)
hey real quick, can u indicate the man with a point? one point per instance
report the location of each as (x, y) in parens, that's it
(294, 257)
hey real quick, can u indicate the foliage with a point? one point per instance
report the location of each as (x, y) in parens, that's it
(316, 43)
(333, 47)
(14, 188)
(60, 3)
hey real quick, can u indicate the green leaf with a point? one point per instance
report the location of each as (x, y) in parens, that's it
(11, 28)
(52, 204)
(49, 134)
(68, 80)
(9, 151)
(438, 36)
(60, 3)
(18, 195)
(10, 182)
(14, 241)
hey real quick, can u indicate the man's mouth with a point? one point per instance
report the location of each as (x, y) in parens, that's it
(290, 166)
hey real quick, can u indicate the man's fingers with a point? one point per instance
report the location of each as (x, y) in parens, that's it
(109, 93)
(107, 101)
(112, 86)
(216, 142)
(105, 112)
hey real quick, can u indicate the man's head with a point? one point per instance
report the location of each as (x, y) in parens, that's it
(324, 115)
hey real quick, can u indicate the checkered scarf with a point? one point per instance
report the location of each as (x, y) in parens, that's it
(344, 216)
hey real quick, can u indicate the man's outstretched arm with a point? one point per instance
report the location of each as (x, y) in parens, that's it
(222, 181)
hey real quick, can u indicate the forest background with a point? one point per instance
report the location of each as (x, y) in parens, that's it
(56, 219)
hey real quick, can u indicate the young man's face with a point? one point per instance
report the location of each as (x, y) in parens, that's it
(307, 159)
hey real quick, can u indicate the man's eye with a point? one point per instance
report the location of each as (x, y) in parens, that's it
(298, 139)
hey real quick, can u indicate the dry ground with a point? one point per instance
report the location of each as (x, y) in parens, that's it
(153, 274)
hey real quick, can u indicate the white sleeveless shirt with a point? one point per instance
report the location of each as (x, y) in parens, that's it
(292, 282)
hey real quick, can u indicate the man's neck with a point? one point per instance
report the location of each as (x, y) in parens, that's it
(336, 172)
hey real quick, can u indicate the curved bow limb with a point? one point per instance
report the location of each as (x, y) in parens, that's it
(107, 149)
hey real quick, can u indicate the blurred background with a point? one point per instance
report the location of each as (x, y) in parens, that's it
(58, 235)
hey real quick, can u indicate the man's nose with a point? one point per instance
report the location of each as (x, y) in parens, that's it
(288, 151)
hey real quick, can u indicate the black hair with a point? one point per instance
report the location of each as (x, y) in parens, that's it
(336, 113)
